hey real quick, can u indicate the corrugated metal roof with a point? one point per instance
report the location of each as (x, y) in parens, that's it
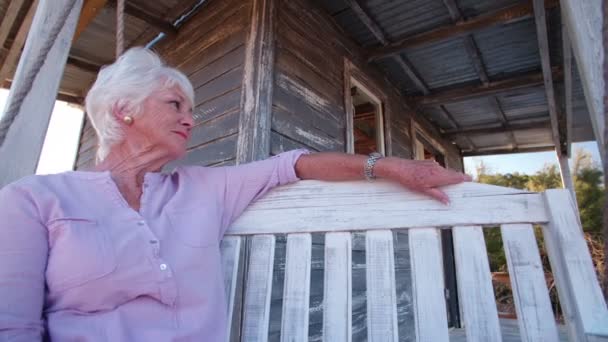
(505, 50)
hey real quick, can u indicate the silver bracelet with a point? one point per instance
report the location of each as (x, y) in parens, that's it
(369, 165)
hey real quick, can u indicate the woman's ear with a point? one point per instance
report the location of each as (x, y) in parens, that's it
(120, 110)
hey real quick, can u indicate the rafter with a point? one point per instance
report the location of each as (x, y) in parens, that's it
(161, 24)
(375, 29)
(529, 80)
(487, 152)
(457, 126)
(543, 47)
(462, 28)
(491, 129)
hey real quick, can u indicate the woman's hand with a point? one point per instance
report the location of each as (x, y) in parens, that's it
(424, 176)
(418, 175)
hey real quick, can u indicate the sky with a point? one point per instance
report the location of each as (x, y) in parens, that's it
(61, 143)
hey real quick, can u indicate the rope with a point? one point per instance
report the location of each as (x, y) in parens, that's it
(23, 89)
(120, 27)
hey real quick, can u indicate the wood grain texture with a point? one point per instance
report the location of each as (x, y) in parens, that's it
(462, 28)
(380, 278)
(25, 138)
(256, 309)
(315, 206)
(475, 290)
(230, 249)
(584, 22)
(543, 47)
(579, 291)
(296, 293)
(428, 285)
(337, 306)
(530, 294)
(8, 20)
(256, 97)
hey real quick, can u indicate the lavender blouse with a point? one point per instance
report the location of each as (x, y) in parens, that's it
(78, 264)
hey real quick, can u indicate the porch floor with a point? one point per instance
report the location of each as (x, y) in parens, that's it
(510, 332)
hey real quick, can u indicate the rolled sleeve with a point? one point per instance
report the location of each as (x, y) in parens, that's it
(248, 182)
(23, 257)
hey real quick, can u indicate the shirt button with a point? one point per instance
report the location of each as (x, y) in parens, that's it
(141, 223)
(163, 267)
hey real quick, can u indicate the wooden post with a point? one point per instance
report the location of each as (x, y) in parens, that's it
(584, 24)
(258, 82)
(21, 149)
(567, 179)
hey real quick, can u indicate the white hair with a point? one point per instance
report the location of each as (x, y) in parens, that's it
(127, 83)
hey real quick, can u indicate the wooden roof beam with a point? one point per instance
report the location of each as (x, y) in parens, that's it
(543, 47)
(487, 152)
(469, 42)
(467, 92)
(83, 65)
(462, 28)
(375, 29)
(454, 123)
(161, 24)
(8, 20)
(567, 59)
(9, 65)
(89, 11)
(491, 129)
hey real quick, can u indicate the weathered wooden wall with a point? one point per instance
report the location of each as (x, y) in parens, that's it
(210, 49)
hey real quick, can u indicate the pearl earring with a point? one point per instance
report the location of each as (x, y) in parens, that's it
(128, 120)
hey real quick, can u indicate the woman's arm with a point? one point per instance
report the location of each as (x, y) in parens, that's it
(23, 253)
(422, 176)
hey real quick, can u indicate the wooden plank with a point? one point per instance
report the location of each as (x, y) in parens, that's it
(458, 94)
(349, 108)
(313, 206)
(290, 65)
(231, 249)
(206, 32)
(25, 138)
(430, 314)
(211, 152)
(214, 53)
(90, 9)
(578, 287)
(584, 23)
(380, 281)
(232, 59)
(310, 96)
(281, 143)
(530, 294)
(567, 60)
(294, 325)
(215, 129)
(475, 290)
(495, 151)
(256, 100)
(141, 14)
(217, 106)
(301, 42)
(299, 109)
(462, 28)
(303, 132)
(543, 47)
(12, 58)
(337, 292)
(258, 288)
(9, 19)
(221, 85)
(491, 129)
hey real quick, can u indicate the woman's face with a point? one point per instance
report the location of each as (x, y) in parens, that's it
(164, 123)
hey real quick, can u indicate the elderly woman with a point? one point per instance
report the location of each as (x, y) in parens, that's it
(126, 253)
